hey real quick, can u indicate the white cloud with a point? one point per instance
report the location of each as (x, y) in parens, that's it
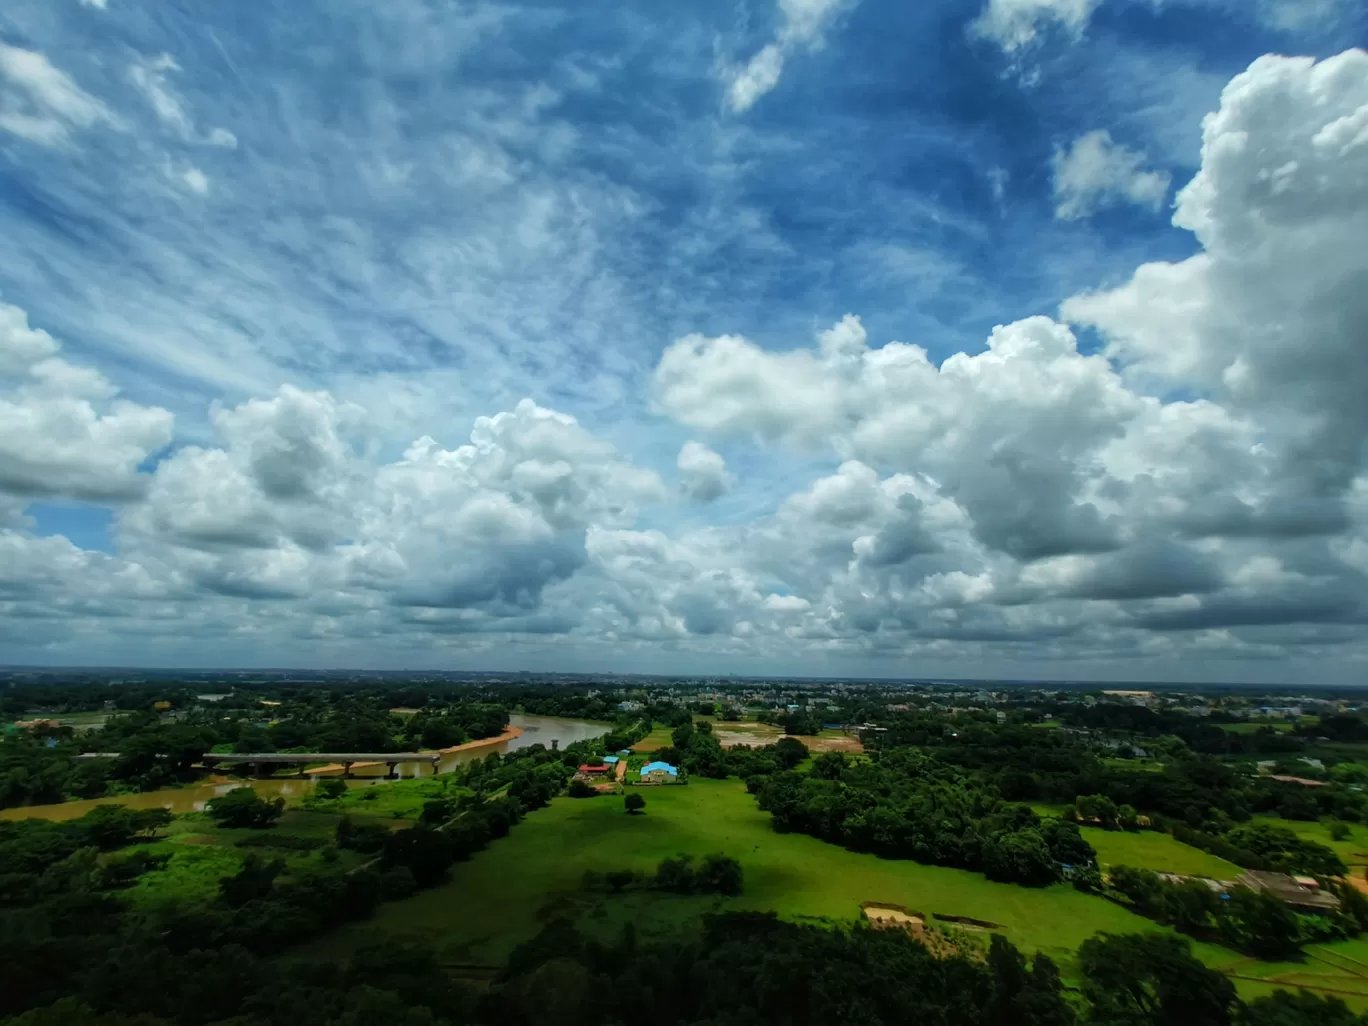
(759, 75)
(62, 432)
(1194, 490)
(702, 473)
(99, 4)
(40, 102)
(195, 180)
(1016, 24)
(803, 23)
(149, 76)
(1271, 313)
(1096, 172)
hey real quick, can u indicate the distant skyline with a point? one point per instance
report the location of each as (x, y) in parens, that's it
(980, 338)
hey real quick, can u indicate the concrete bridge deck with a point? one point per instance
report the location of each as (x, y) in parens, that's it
(302, 759)
(296, 758)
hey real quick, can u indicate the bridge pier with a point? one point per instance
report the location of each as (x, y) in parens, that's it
(390, 774)
(346, 770)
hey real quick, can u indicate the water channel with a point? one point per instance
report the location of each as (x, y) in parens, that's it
(535, 730)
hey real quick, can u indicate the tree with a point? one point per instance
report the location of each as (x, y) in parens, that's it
(1297, 1008)
(1260, 924)
(789, 751)
(426, 853)
(581, 789)
(829, 765)
(1019, 856)
(1339, 830)
(242, 808)
(1151, 979)
(682, 735)
(719, 874)
(330, 788)
(1142, 886)
(255, 880)
(634, 803)
(1191, 906)
(1042, 1001)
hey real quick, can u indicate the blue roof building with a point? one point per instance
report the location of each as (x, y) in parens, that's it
(610, 759)
(652, 767)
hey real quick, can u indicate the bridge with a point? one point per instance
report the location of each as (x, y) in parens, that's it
(302, 759)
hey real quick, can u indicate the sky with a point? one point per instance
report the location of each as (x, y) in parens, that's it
(972, 338)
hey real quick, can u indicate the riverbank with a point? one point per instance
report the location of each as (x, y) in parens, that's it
(509, 734)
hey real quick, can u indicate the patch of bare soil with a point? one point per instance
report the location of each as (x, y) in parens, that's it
(885, 917)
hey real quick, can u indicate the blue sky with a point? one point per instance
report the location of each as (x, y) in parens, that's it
(426, 212)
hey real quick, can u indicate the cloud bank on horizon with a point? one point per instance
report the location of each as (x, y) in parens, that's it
(1020, 338)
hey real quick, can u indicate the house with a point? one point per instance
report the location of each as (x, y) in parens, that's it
(659, 773)
(1301, 892)
(610, 760)
(590, 771)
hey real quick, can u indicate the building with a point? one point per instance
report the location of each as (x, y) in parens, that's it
(1301, 892)
(596, 771)
(610, 760)
(33, 724)
(659, 773)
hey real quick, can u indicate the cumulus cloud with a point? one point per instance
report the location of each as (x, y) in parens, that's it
(1015, 24)
(1270, 315)
(802, 24)
(702, 473)
(63, 431)
(1195, 488)
(1096, 172)
(1008, 432)
(40, 102)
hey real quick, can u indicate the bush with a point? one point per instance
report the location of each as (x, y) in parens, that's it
(367, 838)
(634, 803)
(242, 807)
(330, 788)
(281, 842)
(581, 789)
(397, 883)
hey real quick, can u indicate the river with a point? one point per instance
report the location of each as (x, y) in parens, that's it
(535, 730)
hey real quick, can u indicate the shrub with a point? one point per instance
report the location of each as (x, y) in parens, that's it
(242, 807)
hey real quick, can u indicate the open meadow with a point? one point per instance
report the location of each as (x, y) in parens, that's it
(1148, 849)
(1353, 849)
(503, 895)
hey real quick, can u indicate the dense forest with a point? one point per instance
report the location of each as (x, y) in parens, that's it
(72, 951)
(157, 736)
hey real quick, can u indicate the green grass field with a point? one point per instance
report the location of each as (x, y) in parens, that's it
(1147, 849)
(502, 896)
(399, 799)
(1253, 726)
(1134, 765)
(1353, 849)
(659, 737)
(1339, 969)
(202, 853)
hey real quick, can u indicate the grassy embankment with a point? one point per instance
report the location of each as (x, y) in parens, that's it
(202, 853)
(502, 896)
(1353, 849)
(1148, 849)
